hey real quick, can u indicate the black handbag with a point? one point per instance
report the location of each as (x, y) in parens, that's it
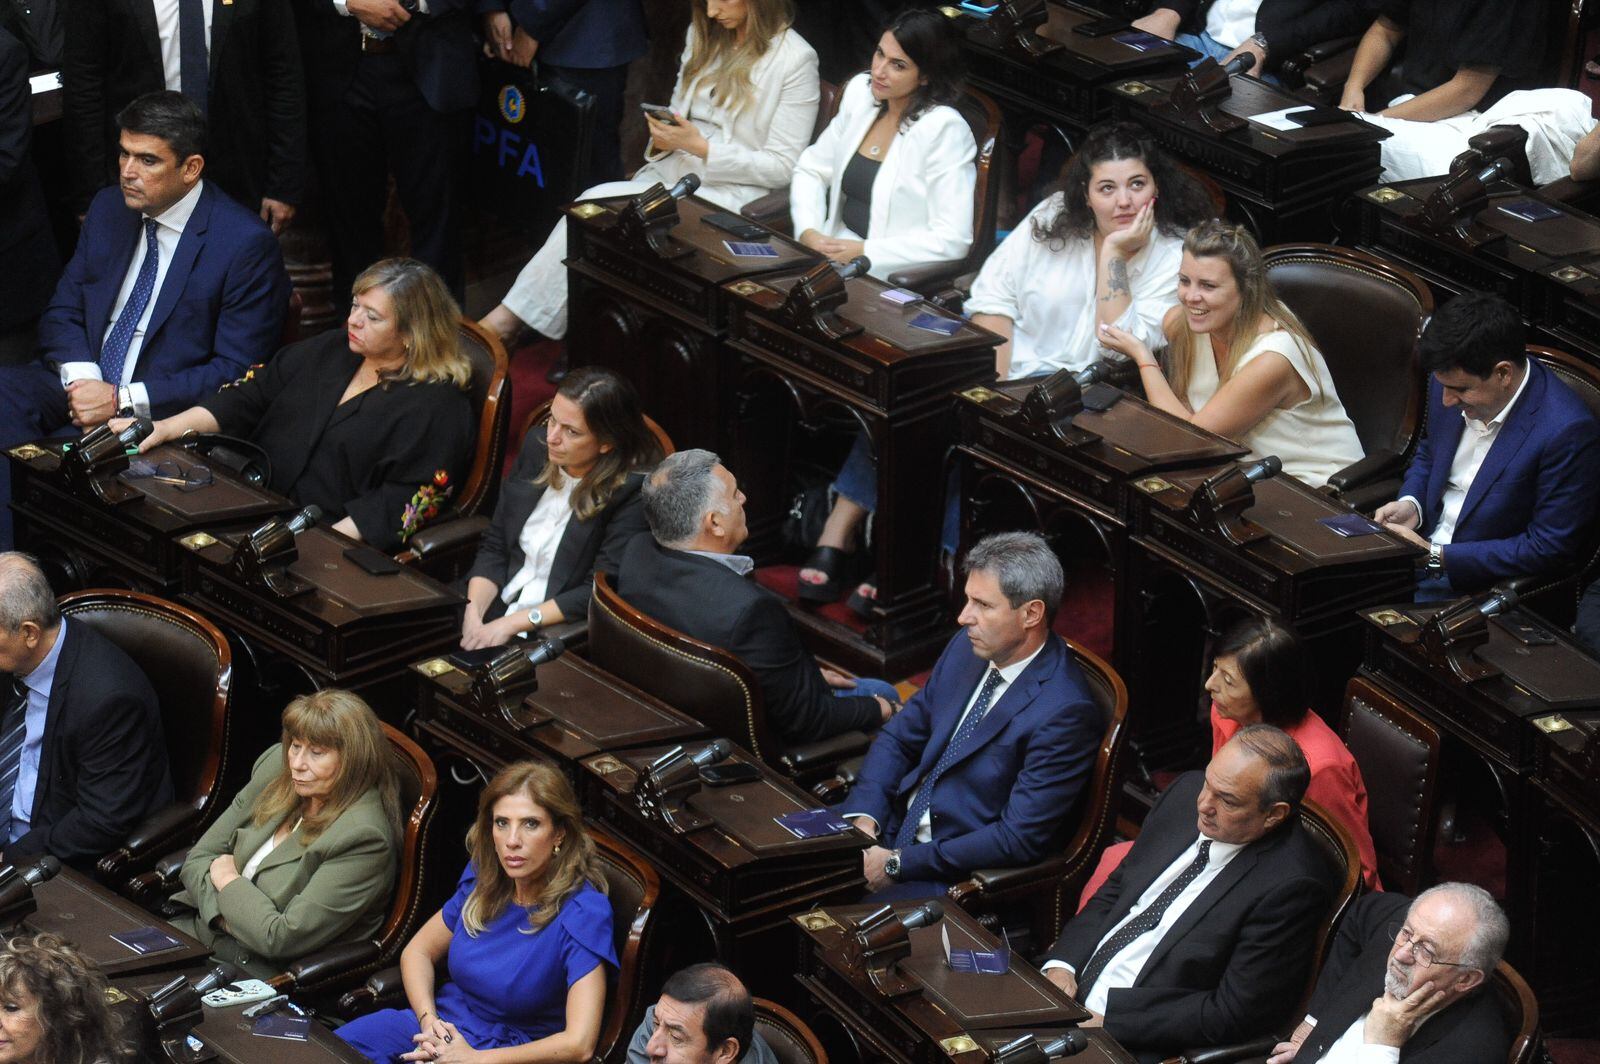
(242, 458)
(808, 508)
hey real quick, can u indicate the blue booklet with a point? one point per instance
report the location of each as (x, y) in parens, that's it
(143, 940)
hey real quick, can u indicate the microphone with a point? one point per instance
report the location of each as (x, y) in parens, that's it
(46, 867)
(1096, 372)
(134, 434)
(856, 267)
(1268, 467)
(1239, 64)
(924, 915)
(685, 187)
(1067, 1044)
(304, 519)
(1460, 192)
(549, 648)
(17, 902)
(715, 751)
(220, 975)
(1500, 600)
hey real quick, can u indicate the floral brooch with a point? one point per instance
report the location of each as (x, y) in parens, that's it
(424, 505)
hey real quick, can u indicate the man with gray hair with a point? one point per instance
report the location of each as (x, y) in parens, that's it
(984, 766)
(82, 760)
(689, 575)
(1403, 982)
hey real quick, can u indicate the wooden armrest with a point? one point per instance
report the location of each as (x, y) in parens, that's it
(332, 961)
(797, 760)
(768, 209)
(380, 988)
(1372, 467)
(927, 277)
(1260, 1047)
(1326, 77)
(158, 832)
(448, 535)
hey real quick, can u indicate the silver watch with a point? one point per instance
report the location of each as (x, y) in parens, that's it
(891, 867)
(1259, 40)
(536, 615)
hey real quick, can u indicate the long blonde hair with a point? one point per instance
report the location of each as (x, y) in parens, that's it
(426, 317)
(1235, 246)
(718, 56)
(573, 864)
(339, 721)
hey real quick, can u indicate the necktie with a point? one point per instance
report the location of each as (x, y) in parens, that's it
(13, 729)
(1145, 921)
(114, 355)
(924, 799)
(193, 65)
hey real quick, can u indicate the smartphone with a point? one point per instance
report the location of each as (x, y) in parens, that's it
(244, 992)
(1321, 116)
(372, 560)
(1101, 27)
(660, 113)
(732, 772)
(743, 228)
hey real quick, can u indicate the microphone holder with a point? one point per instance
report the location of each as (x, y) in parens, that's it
(262, 560)
(172, 1013)
(877, 943)
(812, 305)
(664, 789)
(1219, 503)
(17, 901)
(1023, 1050)
(646, 224)
(90, 467)
(1011, 28)
(1452, 207)
(1198, 95)
(501, 686)
(1450, 638)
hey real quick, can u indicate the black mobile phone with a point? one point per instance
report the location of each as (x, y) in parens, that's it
(743, 228)
(732, 772)
(1527, 633)
(660, 113)
(1101, 27)
(1321, 116)
(373, 561)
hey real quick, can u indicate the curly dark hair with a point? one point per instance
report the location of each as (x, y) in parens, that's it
(1182, 201)
(929, 42)
(69, 996)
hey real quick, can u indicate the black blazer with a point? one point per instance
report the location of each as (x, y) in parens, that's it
(103, 767)
(440, 52)
(29, 262)
(1233, 966)
(586, 546)
(705, 599)
(1290, 26)
(256, 106)
(1471, 1031)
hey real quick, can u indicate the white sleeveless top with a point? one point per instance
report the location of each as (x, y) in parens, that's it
(1315, 438)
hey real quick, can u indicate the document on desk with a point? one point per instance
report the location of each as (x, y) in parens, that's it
(143, 940)
(978, 961)
(1280, 120)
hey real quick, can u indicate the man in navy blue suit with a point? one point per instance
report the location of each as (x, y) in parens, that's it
(174, 290)
(983, 766)
(1505, 487)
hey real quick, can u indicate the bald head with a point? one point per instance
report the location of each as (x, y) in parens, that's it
(29, 617)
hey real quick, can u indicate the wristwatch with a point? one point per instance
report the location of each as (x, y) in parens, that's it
(536, 615)
(1259, 40)
(1435, 558)
(891, 867)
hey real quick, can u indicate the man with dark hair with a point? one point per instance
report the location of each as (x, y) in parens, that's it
(689, 575)
(82, 760)
(1507, 487)
(704, 1016)
(174, 290)
(984, 766)
(1204, 935)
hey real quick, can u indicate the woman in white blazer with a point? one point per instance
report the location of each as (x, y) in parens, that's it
(744, 107)
(892, 176)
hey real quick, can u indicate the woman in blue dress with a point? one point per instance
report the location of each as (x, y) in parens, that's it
(527, 936)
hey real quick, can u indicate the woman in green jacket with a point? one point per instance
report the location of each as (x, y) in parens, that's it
(306, 855)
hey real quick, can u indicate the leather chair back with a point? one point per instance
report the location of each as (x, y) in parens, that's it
(827, 107)
(1521, 1012)
(1339, 846)
(1398, 753)
(706, 682)
(983, 117)
(791, 1041)
(490, 392)
(1555, 596)
(1366, 316)
(187, 661)
(419, 792)
(633, 888)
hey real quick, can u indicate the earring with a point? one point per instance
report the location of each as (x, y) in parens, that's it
(558, 849)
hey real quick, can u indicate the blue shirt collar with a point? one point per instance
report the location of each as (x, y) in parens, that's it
(43, 677)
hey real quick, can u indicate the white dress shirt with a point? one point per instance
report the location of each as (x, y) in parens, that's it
(1476, 440)
(742, 564)
(171, 48)
(252, 866)
(1124, 968)
(1231, 22)
(541, 536)
(170, 224)
(1352, 1047)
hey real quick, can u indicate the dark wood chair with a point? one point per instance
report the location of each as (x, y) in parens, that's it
(1366, 316)
(187, 661)
(790, 1040)
(706, 682)
(1398, 753)
(772, 210)
(1521, 1011)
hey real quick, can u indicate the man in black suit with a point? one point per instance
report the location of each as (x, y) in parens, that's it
(1268, 31)
(1204, 935)
(1404, 982)
(390, 85)
(29, 263)
(246, 79)
(82, 760)
(687, 574)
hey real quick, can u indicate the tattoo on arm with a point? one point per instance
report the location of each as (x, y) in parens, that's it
(1117, 282)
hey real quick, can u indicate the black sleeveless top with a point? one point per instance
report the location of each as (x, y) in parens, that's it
(855, 193)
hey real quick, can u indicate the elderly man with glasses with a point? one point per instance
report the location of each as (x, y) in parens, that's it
(1402, 983)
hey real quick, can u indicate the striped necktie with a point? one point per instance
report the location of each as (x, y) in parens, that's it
(13, 729)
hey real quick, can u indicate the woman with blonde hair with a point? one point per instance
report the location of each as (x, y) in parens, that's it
(54, 1007)
(373, 425)
(527, 936)
(1239, 362)
(305, 857)
(742, 112)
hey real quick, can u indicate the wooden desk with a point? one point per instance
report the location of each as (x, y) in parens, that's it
(1540, 787)
(658, 322)
(953, 1016)
(132, 543)
(743, 874)
(86, 914)
(351, 629)
(895, 380)
(1285, 185)
(1185, 582)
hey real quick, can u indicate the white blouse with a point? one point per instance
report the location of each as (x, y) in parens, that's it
(1049, 295)
(252, 866)
(1315, 438)
(541, 536)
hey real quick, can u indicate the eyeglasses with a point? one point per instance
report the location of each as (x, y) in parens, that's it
(192, 478)
(1426, 958)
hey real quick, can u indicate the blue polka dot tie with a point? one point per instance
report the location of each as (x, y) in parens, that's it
(1145, 921)
(13, 729)
(114, 355)
(924, 799)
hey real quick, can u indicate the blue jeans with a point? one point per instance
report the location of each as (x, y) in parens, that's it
(865, 685)
(1435, 588)
(1209, 46)
(858, 482)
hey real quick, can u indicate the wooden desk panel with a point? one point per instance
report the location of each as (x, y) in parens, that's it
(86, 914)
